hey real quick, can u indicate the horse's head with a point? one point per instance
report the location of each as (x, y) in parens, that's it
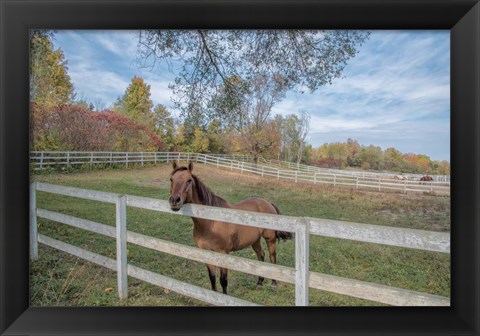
(181, 186)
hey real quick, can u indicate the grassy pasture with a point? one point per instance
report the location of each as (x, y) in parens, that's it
(58, 279)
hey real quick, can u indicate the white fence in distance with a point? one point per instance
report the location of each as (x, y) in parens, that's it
(366, 181)
(300, 276)
(303, 167)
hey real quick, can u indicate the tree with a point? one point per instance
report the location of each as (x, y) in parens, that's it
(289, 136)
(371, 156)
(229, 63)
(50, 83)
(392, 159)
(248, 111)
(307, 153)
(179, 140)
(136, 103)
(164, 125)
(353, 149)
(124, 134)
(76, 128)
(212, 59)
(238, 76)
(303, 129)
(218, 139)
(84, 103)
(200, 142)
(99, 105)
(443, 168)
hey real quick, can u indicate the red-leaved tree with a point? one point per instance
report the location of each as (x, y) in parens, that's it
(76, 128)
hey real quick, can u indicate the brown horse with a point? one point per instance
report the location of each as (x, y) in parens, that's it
(222, 236)
(426, 178)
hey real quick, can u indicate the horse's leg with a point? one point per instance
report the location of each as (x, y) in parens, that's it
(211, 274)
(257, 247)
(223, 279)
(272, 251)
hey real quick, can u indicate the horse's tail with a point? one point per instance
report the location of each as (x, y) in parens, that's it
(281, 234)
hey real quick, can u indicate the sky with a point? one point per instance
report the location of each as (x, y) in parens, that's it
(394, 93)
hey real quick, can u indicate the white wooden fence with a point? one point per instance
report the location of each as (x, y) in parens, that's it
(366, 181)
(303, 227)
(303, 167)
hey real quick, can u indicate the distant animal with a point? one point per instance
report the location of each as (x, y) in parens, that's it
(400, 177)
(426, 178)
(220, 236)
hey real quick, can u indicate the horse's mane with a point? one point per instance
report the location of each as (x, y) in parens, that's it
(206, 196)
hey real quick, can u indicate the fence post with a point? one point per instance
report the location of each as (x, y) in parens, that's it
(141, 158)
(357, 181)
(296, 176)
(121, 226)
(242, 166)
(33, 222)
(405, 186)
(91, 160)
(111, 154)
(314, 178)
(155, 157)
(334, 180)
(379, 181)
(68, 159)
(41, 160)
(302, 263)
(126, 161)
(278, 174)
(168, 157)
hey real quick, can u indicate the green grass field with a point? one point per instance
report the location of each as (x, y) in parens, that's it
(58, 279)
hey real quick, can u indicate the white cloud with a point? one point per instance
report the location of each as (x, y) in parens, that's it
(396, 90)
(97, 84)
(121, 43)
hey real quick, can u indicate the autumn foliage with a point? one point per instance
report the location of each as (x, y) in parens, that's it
(76, 128)
(352, 154)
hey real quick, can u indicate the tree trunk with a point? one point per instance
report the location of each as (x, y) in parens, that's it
(300, 152)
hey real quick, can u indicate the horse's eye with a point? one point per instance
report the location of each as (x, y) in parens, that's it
(190, 181)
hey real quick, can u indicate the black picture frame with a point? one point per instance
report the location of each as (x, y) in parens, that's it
(461, 17)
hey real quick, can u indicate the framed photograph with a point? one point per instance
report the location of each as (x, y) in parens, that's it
(27, 309)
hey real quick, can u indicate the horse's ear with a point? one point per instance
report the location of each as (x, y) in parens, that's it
(190, 166)
(174, 165)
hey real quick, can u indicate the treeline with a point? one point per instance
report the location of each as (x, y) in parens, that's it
(352, 154)
(78, 127)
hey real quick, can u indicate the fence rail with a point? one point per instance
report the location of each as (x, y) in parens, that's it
(303, 167)
(300, 276)
(336, 178)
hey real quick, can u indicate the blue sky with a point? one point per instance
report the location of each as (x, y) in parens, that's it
(394, 93)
